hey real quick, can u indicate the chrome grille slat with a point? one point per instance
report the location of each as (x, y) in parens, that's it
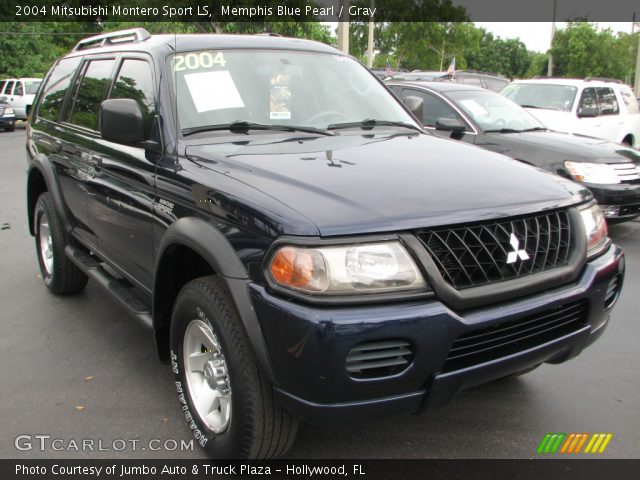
(626, 172)
(472, 255)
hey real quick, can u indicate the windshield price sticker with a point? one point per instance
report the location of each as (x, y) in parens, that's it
(213, 91)
(198, 60)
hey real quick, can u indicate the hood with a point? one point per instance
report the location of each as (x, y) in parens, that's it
(554, 119)
(549, 145)
(355, 183)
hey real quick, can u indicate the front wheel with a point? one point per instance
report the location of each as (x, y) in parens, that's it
(226, 401)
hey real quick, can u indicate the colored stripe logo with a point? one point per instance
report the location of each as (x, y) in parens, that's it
(573, 443)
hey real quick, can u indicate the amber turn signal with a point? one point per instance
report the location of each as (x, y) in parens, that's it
(293, 267)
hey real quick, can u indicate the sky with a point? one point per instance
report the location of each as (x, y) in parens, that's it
(537, 35)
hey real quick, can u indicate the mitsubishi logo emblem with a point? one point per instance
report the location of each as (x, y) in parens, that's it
(513, 256)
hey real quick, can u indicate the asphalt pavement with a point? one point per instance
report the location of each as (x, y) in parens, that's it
(79, 369)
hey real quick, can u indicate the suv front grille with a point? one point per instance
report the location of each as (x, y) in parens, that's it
(626, 172)
(475, 255)
(508, 338)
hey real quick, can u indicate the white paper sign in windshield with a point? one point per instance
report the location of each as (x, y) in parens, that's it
(474, 107)
(213, 91)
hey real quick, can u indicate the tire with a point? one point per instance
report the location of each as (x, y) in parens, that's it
(60, 275)
(244, 420)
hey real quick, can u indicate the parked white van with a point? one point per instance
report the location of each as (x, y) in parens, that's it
(599, 108)
(19, 93)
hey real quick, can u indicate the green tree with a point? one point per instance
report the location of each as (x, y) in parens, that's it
(417, 45)
(30, 48)
(538, 63)
(581, 50)
(507, 57)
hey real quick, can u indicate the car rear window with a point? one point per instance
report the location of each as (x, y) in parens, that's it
(629, 100)
(56, 88)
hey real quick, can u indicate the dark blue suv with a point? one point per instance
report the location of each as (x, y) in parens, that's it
(301, 248)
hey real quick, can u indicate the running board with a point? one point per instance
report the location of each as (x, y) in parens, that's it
(120, 290)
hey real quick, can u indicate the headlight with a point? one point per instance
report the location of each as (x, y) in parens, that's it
(346, 269)
(8, 111)
(592, 172)
(595, 228)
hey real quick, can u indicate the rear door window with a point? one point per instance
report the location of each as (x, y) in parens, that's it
(607, 101)
(91, 91)
(55, 90)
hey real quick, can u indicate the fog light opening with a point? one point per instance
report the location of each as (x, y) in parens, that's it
(613, 291)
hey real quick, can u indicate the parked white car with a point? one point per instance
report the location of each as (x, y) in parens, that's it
(19, 93)
(595, 107)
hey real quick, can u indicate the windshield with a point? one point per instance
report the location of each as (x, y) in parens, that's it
(537, 95)
(279, 88)
(31, 86)
(494, 112)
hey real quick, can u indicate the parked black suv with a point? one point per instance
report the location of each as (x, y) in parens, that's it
(300, 246)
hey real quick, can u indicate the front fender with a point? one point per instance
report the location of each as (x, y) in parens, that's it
(210, 244)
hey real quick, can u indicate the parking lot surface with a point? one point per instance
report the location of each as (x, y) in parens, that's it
(78, 368)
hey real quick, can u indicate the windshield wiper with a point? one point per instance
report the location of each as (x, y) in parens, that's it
(529, 106)
(504, 130)
(370, 123)
(244, 127)
(535, 129)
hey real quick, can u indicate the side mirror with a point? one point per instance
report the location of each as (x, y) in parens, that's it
(588, 112)
(450, 125)
(415, 106)
(122, 121)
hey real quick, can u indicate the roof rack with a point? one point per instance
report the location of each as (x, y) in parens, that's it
(602, 79)
(132, 35)
(587, 79)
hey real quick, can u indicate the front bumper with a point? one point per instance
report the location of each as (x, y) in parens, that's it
(624, 196)
(308, 346)
(7, 121)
